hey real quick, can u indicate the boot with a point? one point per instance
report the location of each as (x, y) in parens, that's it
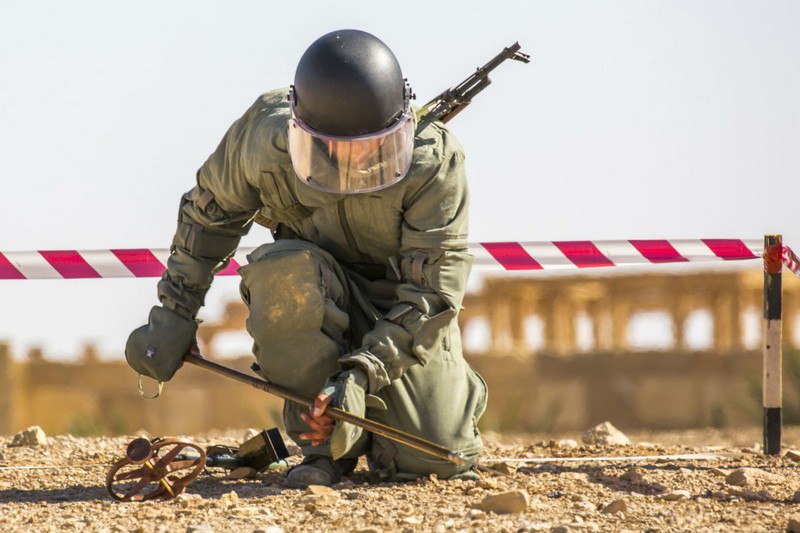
(319, 470)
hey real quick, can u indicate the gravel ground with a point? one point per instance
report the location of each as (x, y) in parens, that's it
(655, 495)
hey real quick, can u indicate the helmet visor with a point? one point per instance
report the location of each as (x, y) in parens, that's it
(352, 164)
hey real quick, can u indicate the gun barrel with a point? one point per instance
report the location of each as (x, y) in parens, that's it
(452, 101)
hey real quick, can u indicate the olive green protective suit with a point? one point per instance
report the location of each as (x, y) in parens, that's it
(372, 281)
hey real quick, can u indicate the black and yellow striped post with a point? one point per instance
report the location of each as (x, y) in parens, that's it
(771, 338)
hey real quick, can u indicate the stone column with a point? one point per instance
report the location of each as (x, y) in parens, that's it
(620, 317)
(516, 324)
(727, 316)
(678, 310)
(600, 313)
(558, 314)
(499, 321)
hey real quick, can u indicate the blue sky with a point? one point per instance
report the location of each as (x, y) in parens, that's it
(634, 120)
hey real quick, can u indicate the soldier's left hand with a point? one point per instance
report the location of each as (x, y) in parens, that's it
(321, 424)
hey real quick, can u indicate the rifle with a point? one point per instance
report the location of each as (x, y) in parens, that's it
(452, 101)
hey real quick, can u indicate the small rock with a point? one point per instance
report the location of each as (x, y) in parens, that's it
(353, 495)
(514, 501)
(269, 529)
(559, 529)
(476, 514)
(319, 500)
(794, 455)
(344, 485)
(249, 434)
(474, 491)
(141, 432)
(721, 472)
(617, 506)
(33, 436)
(243, 472)
(319, 490)
(246, 511)
(229, 499)
(632, 475)
(487, 483)
(748, 476)
(793, 526)
(606, 434)
(504, 468)
(584, 507)
(750, 495)
(185, 500)
(796, 497)
(567, 443)
(676, 495)
(199, 528)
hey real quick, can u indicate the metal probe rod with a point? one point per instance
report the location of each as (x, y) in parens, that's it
(334, 412)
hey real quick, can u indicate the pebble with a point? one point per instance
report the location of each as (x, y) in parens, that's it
(749, 476)
(248, 511)
(514, 501)
(617, 506)
(794, 455)
(632, 475)
(229, 499)
(269, 529)
(412, 520)
(676, 495)
(793, 526)
(585, 507)
(243, 472)
(486, 483)
(559, 529)
(32, 436)
(320, 490)
(319, 500)
(504, 468)
(567, 443)
(750, 495)
(605, 434)
(199, 528)
(476, 514)
(796, 497)
(185, 500)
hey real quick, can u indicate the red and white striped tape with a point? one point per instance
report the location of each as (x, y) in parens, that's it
(516, 256)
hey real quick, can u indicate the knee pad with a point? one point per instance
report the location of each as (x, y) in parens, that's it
(297, 318)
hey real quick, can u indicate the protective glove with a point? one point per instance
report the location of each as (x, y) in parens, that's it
(156, 349)
(348, 391)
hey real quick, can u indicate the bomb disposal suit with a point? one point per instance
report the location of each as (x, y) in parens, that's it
(357, 298)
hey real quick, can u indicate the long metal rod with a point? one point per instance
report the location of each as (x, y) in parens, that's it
(772, 348)
(337, 414)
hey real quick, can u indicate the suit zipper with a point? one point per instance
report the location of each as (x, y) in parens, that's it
(348, 233)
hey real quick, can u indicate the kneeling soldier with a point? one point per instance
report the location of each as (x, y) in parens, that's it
(356, 300)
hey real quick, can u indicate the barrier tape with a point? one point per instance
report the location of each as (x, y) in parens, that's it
(505, 256)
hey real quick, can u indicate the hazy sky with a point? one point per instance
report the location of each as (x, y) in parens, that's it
(634, 120)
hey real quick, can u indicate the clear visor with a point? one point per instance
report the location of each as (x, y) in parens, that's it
(352, 164)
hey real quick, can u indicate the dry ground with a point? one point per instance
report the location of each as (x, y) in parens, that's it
(570, 496)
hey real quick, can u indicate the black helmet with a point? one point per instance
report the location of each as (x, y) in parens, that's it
(349, 83)
(352, 127)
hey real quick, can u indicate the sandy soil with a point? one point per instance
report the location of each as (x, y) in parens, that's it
(592, 496)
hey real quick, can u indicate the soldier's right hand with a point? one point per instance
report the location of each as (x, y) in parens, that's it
(156, 349)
